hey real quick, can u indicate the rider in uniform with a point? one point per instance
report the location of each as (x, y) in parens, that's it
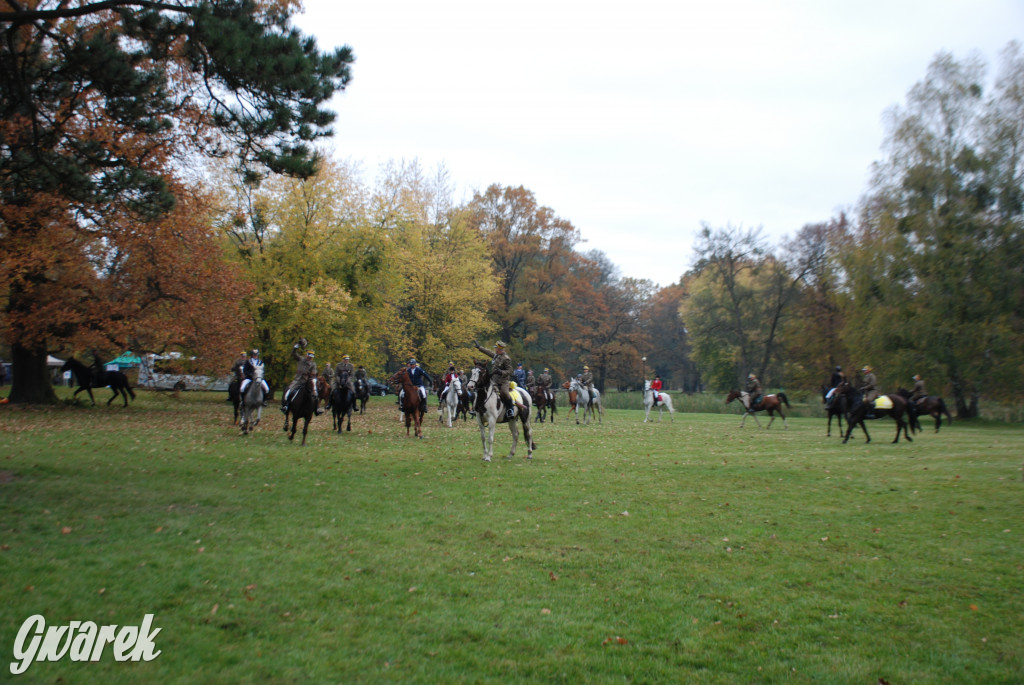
(544, 381)
(305, 369)
(501, 375)
(420, 379)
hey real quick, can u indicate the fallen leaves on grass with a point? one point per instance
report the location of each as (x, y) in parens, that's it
(615, 640)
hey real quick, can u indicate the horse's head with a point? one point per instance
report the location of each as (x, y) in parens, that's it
(257, 372)
(565, 386)
(733, 394)
(647, 385)
(477, 376)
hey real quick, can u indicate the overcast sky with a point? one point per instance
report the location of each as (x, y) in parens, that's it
(639, 120)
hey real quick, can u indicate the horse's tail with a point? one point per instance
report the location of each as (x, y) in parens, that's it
(782, 396)
(942, 408)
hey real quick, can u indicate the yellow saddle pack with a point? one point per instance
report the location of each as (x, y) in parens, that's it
(883, 402)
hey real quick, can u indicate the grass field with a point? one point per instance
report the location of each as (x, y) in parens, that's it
(690, 551)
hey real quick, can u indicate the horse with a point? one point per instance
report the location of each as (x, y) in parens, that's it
(666, 401)
(362, 394)
(541, 401)
(578, 394)
(302, 406)
(837, 408)
(412, 408)
(235, 397)
(252, 401)
(490, 411)
(861, 411)
(343, 401)
(932, 405)
(94, 377)
(771, 403)
(450, 402)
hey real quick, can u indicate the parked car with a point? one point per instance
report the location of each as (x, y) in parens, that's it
(377, 388)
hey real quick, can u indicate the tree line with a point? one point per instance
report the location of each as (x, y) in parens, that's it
(115, 237)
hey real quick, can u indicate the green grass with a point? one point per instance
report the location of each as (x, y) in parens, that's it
(691, 551)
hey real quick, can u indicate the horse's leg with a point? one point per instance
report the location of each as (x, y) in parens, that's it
(513, 427)
(305, 427)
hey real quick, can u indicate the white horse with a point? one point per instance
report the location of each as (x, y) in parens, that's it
(591, 404)
(252, 400)
(494, 413)
(666, 402)
(450, 407)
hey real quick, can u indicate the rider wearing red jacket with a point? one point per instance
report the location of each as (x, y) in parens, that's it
(656, 387)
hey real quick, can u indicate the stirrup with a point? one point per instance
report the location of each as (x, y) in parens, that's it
(510, 413)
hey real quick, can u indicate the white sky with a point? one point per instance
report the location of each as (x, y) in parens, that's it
(637, 120)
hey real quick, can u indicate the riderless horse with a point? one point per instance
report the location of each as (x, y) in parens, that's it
(834, 406)
(412, 407)
(302, 406)
(932, 405)
(771, 403)
(491, 411)
(665, 401)
(580, 395)
(343, 402)
(885, 405)
(252, 401)
(95, 377)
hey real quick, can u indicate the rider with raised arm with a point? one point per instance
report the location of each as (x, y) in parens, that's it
(501, 375)
(305, 370)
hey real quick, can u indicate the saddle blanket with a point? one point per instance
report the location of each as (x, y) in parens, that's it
(516, 392)
(883, 402)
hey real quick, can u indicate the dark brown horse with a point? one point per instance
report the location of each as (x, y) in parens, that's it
(542, 403)
(302, 406)
(860, 411)
(96, 377)
(412, 406)
(343, 401)
(932, 405)
(834, 406)
(769, 403)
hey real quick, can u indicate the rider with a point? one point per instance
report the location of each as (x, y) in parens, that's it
(346, 370)
(420, 379)
(587, 379)
(656, 388)
(754, 388)
(531, 382)
(519, 375)
(249, 372)
(305, 369)
(544, 381)
(837, 378)
(236, 369)
(501, 374)
(869, 386)
(918, 393)
(449, 376)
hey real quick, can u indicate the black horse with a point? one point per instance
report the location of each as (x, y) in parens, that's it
(89, 377)
(343, 401)
(302, 406)
(834, 406)
(860, 410)
(362, 394)
(932, 405)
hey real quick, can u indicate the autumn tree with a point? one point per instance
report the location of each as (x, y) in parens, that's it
(936, 282)
(96, 102)
(532, 253)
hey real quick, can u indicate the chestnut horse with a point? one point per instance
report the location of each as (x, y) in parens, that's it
(412, 407)
(769, 403)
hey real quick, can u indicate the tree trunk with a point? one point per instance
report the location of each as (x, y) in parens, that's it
(30, 377)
